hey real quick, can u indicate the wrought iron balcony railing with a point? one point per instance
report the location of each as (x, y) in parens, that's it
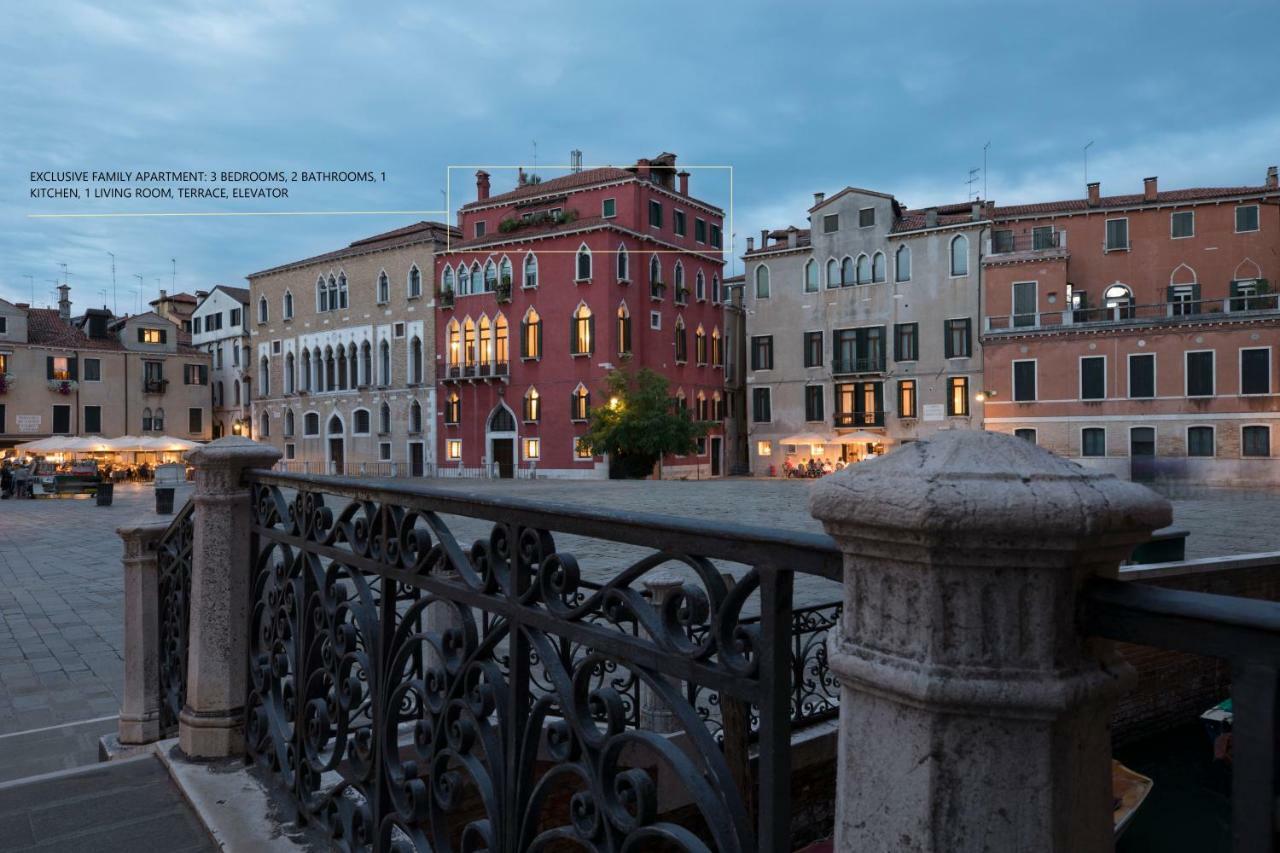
(858, 419)
(1128, 314)
(852, 366)
(1037, 240)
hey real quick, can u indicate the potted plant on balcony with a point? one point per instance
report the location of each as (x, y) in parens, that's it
(6, 382)
(63, 386)
(446, 298)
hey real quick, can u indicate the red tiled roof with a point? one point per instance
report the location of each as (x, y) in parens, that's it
(557, 185)
(46, 328)
(415, 233)
(1131, 200)
(914, 220)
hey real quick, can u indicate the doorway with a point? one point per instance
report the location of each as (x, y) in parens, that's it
(1142, 454)
(416, 467)
(500, 435)
(716, 443)
(504, 456)
(337, 446)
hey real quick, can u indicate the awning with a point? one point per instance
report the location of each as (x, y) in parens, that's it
(167, 444)
(861, 437)
(806, 438)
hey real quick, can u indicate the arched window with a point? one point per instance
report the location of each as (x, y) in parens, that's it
(288, 305)
(902, 264)
(415, 360)
(322, 296)
(531, 335)
(384, 288)
(464, 280)
(582, 339)
(264, 426)
(453, 341)
(306, 370)
(717, 348)
(264, 377)
(288, 423)
(530, 270)
(384, 362)
(469, 342)
(486, 343)
(501, 346)
(446, 280)
(847, 274)
(700, 406)
(415, 281)
(682, 295)
(656, 284)
(700, 346)
(681, 341)
(384, 419)
(236, 386)
(624, 330)
(311, 423)
(584, 263)
(624, 264)
(715, 288)
(864, 269)
(342, 290)
(762, 282)
(477, 278)
(415, 417)
(532, 405)
(504, 272)
(811, 276)
(333, 293)
(960, 255)
(580, 403)
(262, 309)
(335, 425)
(146, 419)
(700, 287)
(288, 373)
(330, 370)
(501, 419)
(453, 409)
(157, 420)
(1118, 299)
(490, 276)
(682, 404)
(340, 357)
(366, 364)
(833, 273)
(878, 267)
(717, 407)
(360, 422)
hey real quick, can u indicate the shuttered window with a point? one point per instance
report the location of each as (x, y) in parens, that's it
(1093, 378)
(1142, 376)
(1024, 381)
(1200, 374)
(1255, 371)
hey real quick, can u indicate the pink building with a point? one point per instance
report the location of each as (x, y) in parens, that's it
(556, 282)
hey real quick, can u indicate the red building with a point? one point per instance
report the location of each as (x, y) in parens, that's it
(1140, 332)
(555, 283)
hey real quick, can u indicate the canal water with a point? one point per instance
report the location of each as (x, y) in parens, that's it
(1189, 809)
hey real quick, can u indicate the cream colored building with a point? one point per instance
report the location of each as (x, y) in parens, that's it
(97, 375)
(220, 327)
(343, 348)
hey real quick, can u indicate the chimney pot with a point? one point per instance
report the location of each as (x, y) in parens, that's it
(1149, 189)
(975, 211)
(64, 302)
(642, 168)
(764, 237)
(482, 185)
(793, 237)
(818, 198)
(684, 182)
(1094, 193)
(1273, 180)
(931, 217)
(751, 244)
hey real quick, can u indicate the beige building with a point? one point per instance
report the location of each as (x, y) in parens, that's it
(343, 350)
(220, 327)
(97, 375)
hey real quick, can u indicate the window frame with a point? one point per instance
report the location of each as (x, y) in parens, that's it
(809, 409)
(830, 223)
(1186, 374)
(1087, 429)
(765, 393)
(655, 213)
(898, 329)
(1270, 450)
(862, 223)
(1106, 235)
(1240, 371)
(951, 396)
(915, 398)
(949, 348)
(809, 338)
(951, 257)
(767, 340)
(1173, 214)
(1257, 218)
(1080, 378)
(608, 207)
(1213, 441)
(1035, 380)
(1129, 375)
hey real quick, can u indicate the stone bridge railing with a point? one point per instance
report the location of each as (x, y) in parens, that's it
(408, 690)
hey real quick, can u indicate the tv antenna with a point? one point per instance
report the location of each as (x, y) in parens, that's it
(973, 179)
(138, 276)
(1086, 162)
(115, 298)
(985, 148)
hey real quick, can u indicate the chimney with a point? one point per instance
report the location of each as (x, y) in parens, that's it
(575, 160)
(931, 218)
(642, 169)
(482, 185)
(64, 302)
(793, 237)
(764, 237)
(1272, 180)
(975, 211)
(1095, 194)
(684, 182)
(818, 198)
(521, 177)
(163, 295)
(1149, 189)
(751, 244)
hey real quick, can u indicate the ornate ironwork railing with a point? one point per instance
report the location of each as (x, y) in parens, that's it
(414, 694)
(173, 563)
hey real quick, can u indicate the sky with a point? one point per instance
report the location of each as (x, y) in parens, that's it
(796, 97)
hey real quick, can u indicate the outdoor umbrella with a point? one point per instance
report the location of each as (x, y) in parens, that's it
(124, 443)
(805, 438)
(861, 437)
(170, 444)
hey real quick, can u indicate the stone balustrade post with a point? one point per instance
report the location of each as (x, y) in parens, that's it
(973, 713)
(140, 705)
(655, 715)
(211, 725)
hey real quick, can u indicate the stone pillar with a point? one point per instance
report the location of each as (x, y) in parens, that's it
(973, 714)
(211, 724)
(140, 707)
(655, 716)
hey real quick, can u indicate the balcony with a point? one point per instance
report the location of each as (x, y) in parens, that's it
(1039, 240)
(1127, 314)
(154, 386)
(857, 366)
(853, 420)
(487, 370)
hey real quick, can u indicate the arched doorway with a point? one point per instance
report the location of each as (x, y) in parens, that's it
(337, 445)
(500, 439)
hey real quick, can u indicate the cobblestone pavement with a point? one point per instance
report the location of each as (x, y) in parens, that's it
(61, 607)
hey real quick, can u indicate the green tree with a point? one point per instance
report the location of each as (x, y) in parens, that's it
(640, 423)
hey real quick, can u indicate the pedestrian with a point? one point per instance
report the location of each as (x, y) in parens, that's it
(6, 482)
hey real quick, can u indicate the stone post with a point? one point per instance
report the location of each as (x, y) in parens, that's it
(655, 716)
(140, 705)
(211, 724)
(973, 714)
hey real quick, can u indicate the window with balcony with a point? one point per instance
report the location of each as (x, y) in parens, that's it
(762, 352)
(859, 404)
(858, 350)
(813, 349)
(1117, 235)
(1024, 381)
(1093, 378)
(906, 341)
(1255, 370)
(1255, 441)
(906, 398)
(1118, 300)
(1184, 299)
(813, 399)
(1199, 373)
(959, 339)
(1246, 218)
(1093, 441)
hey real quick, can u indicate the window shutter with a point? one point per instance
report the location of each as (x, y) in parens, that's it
(1168, 294)
(73, 365)
(204, 374)
(140, 336)
(49, 367)
(538, 334)
(524, 338)
(164, 336)
(573, 335)
(591, 327)
(949, 350)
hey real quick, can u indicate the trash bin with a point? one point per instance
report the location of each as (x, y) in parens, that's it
(164, 500)
(105, 493)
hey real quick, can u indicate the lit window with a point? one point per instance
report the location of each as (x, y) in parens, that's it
(532, 448)
(152, 336)
(958, 396)
(531, 335)
(583, 331)
(580, 403)
(764, 448)
(532, 405)
(453, 449)
(581, 450)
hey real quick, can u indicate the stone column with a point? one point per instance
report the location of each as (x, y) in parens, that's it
(140, 706)
(211, 724)
(973, 714)
(655, 715)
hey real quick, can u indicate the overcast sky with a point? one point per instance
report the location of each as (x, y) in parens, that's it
(797, 97)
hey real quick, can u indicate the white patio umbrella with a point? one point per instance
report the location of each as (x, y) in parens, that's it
(170, 444)
(861, 437)
(805, 438)
(123, 443)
